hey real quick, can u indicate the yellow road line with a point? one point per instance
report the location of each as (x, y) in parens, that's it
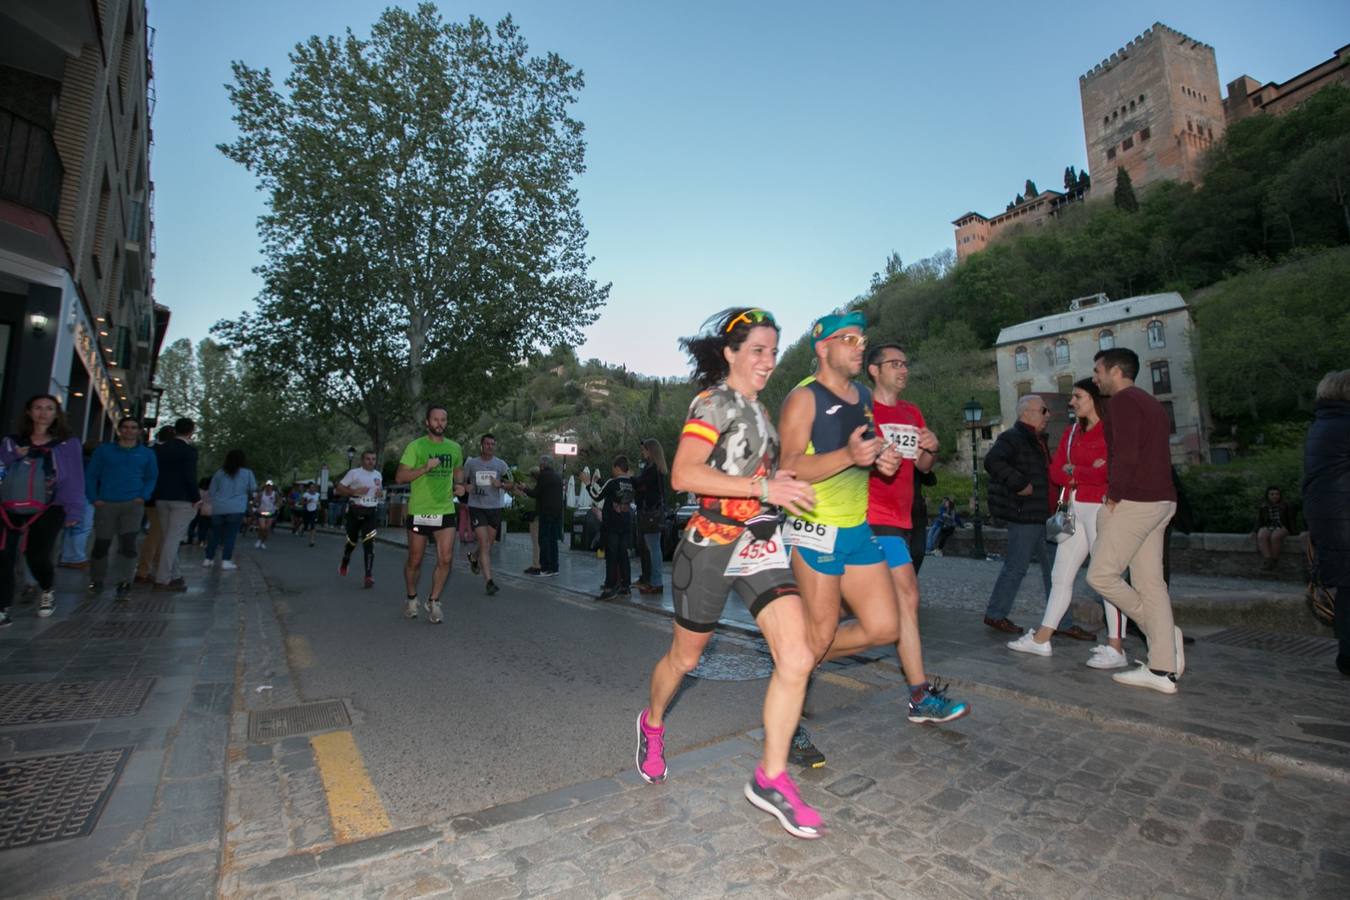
(353, 805)
(852, 684)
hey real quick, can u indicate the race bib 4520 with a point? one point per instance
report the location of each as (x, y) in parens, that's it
(751, 556)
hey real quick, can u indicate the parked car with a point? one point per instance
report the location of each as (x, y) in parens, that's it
(676, 520)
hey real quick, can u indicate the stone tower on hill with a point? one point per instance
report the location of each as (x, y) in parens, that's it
(1153, 109)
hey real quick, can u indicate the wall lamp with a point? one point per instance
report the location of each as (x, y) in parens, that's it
(39, 323)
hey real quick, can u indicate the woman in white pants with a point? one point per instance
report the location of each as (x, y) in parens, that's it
(1079, 471)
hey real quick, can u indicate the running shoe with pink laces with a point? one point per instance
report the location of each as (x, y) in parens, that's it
(651, 751)
(779, 796)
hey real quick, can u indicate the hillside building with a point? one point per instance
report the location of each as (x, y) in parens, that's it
(975, 231)
(1047, 355)
(77, 314)
(1248, 97)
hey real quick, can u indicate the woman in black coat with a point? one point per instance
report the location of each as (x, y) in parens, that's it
(1326, 497)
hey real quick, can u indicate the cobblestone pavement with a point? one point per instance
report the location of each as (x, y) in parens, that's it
(1012, 802)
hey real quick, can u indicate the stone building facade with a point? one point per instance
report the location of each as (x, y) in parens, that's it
(77, 314)
(1248, 97)
(1047, 355)
(974, 231)
(1152, 108)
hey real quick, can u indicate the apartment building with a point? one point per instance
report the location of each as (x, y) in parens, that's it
(77, 311)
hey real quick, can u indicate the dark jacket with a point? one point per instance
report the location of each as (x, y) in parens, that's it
(650, 488)
(547, 493)
(1326, 490)
(1019, 458)
(177, 480)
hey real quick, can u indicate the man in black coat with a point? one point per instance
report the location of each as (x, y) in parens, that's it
(1019, 493)
(548, 499)
(1326, 497)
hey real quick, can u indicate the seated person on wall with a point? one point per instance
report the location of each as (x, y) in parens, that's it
(1274, 522)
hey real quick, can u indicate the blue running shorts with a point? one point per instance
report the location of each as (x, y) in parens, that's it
(896, 549)
(854, 546)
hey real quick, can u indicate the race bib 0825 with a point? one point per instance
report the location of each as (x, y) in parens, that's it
(809, 535)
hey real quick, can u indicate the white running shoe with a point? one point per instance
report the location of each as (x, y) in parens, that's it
(1142, 677)
(410, 609)
(257, 545)
(434, 612)
(1027, 644)
(208, 563)
(229, 565)
(262, 546)
(1104, 656)
(47, 605)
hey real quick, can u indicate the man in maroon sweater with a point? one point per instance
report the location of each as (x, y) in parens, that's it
(1140, 501)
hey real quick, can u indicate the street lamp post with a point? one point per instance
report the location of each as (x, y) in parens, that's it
(974, 412)
(351, 455)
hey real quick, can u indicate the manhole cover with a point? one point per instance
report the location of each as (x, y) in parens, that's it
(726, 664)
(23, 704)
(54, 798)
(1274, 642)
(270, 724)
(77, 629)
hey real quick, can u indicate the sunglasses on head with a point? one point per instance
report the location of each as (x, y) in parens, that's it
(751, 317)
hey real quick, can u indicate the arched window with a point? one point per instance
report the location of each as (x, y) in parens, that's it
(1106, 340)
(1157, 337)
(1061, 352)
(1020, 360)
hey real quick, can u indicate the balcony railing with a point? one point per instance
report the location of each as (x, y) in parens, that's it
(30, 168)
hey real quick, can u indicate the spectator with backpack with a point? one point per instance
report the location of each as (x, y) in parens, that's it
(43, 490)
(119, 480)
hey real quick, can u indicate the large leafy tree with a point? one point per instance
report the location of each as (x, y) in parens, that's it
(423, 231)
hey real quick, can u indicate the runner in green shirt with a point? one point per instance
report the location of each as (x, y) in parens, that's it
(433, 465)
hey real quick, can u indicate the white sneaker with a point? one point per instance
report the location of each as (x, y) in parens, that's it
(1142, 677)
(257, 545)
(410, 609)
(1105, 656)
(937, 552)
(1180, 651)
(208, 563)
(262, 546)
(434, 612)
(229, 565)
(1027, 644)
(47, 605)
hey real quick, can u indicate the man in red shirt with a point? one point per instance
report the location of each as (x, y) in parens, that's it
(890, 501)
(1140, 501)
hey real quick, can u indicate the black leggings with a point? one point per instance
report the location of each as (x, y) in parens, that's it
(42, 536)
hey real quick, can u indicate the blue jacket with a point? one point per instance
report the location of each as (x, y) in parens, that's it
(116, 474)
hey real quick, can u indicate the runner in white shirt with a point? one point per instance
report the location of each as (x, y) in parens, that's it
(364, 486)
(268, 501)
(309, 510)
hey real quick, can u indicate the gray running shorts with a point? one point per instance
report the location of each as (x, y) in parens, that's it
(701, 585)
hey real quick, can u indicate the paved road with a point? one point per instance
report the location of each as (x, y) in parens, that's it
(514, 695)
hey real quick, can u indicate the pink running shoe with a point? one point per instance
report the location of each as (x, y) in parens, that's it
(779, 796)
(651, 751)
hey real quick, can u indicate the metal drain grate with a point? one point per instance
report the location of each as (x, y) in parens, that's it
(24, 704)
(1274, 642)
(77, 629)
(148, 606)
(55, 798)
(288, 721)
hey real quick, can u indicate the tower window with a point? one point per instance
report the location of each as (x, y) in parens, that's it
(1145, 134)
(1061, 352)
(1127, 143)
(1021, 362)
(1111, 153)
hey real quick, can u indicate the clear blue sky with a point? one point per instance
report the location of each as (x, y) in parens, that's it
(771, 153)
